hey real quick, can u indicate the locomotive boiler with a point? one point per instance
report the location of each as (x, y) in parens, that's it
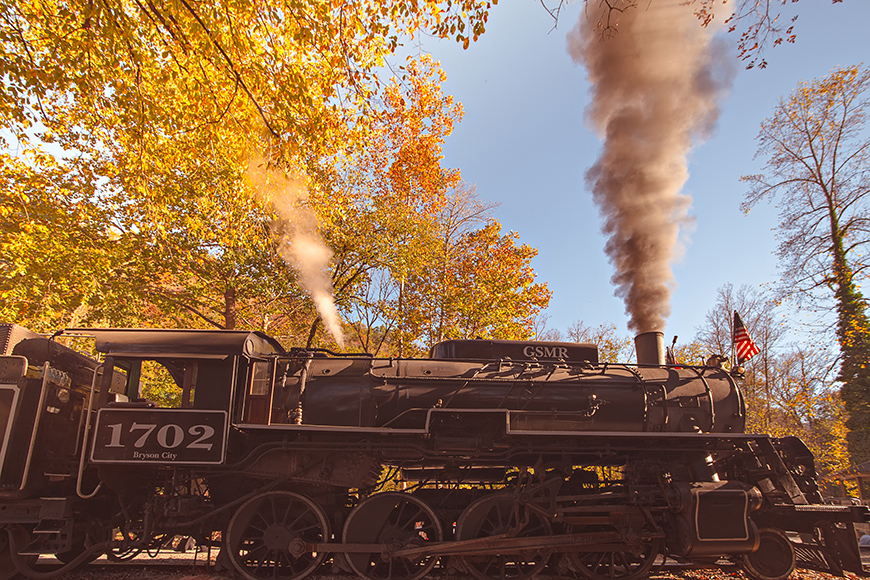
(494, 459)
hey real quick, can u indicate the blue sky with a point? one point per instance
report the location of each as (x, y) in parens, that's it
(524, 144)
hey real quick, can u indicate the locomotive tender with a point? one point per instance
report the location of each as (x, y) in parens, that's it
(498, 459)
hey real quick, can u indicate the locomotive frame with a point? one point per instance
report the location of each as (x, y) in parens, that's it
(497, 459)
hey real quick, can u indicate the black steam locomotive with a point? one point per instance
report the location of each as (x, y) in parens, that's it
(493, 459)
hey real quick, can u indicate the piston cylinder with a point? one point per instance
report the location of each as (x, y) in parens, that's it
(712, 518)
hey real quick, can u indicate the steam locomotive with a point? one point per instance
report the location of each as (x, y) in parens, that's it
(494, 459)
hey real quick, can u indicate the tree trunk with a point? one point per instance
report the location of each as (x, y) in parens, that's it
(853, 333)
(229, 308)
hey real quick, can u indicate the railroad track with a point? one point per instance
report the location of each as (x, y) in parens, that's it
(190, 566)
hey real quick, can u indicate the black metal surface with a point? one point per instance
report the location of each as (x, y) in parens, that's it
(149, 341)
(516, 350)
(542, 397)
(609, 464)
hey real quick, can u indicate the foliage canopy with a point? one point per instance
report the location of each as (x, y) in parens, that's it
(130, 130)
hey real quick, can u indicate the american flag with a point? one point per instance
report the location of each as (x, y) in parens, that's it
(743, 345)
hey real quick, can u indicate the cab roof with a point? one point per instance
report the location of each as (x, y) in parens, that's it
(148, 342)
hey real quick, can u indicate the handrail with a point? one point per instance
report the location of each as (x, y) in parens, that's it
(35, 432)
(87, 430)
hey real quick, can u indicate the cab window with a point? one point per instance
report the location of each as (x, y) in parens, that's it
(161, 383)
(259, 393)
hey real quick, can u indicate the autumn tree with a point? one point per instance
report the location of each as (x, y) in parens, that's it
(759, 314)
(817, 156)
(759, 25)
(159, 108)
(541, 330)
(434, 289)
(756, 310)
(804, 402)
(613, 347)
(472, 281)
(55, 251)
(185, 243)
(296, 68)
(160, 111)
(788, 389)
(379, 215)
(693, 352)
(489, 287)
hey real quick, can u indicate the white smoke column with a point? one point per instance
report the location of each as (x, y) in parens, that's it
(656, 82)
(300, 243)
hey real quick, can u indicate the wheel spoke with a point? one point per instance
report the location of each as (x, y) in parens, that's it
(292, 525)
(410, 520)
(260, 562)
(491, 562)
(287, 511)
(274, 510)
(265, 523)
(313, 526)
(399, 514)
(259, 548)
(499, 519)
(598, 562)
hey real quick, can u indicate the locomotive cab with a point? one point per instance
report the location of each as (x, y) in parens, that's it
(206, 373)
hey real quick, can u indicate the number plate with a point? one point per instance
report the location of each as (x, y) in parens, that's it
(159, 436)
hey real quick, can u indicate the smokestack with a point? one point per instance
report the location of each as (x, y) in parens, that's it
(650, 348)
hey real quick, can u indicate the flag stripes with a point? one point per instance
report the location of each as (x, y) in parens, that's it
(744, 348)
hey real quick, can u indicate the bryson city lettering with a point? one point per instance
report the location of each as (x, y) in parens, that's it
(165, 456)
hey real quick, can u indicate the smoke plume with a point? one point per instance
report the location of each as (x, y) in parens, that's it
(300, 243)
(656, 76)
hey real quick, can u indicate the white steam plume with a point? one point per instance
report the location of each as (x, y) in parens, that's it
(300, 243)
(656, 83)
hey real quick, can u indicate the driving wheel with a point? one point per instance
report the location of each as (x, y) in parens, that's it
(620, 564)
(499, 514)
(269, 536)
(397, 520)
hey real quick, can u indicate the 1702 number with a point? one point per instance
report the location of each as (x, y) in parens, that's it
(168, 436)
